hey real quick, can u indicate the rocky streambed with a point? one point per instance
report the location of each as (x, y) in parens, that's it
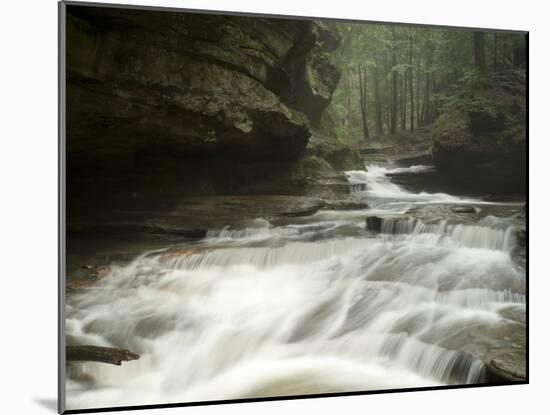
(213, 233)
(388, 288)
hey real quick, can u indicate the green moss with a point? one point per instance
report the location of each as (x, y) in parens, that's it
(327, 126)
(488, 112)
(345, 158)
(455, 119)
(488, 106)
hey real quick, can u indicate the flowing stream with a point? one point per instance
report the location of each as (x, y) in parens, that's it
(318, 304)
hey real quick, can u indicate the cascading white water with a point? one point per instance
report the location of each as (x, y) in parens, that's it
(377, 185)
(312, 307)
(474, 236)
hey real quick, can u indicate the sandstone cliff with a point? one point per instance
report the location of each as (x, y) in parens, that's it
(215, 104)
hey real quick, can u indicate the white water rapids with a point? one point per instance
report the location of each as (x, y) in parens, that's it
(318, 305)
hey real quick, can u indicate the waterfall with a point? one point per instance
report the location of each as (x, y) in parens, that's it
(375, 184)
(265, 257)
(472, 236)
(316, 305)
(261, 229)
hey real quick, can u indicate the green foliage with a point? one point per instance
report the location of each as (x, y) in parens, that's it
(441, 62)
(488, 105)
(450, 120)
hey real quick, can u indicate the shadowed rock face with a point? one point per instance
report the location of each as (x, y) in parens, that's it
(482, 140)
(144, 87)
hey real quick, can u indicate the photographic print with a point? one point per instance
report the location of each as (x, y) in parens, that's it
(260, 206)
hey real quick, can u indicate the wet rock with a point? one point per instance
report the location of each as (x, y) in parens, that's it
(321, 178)
(345, 205)
(506, 367)
(304, 208)
(405, 147)
(461, 367)
(125, 229)
(358, 187)
(391, 224)
(183, 252)
(186, 233)
(308, 207)
(339, 156)
(93, 272)
(328, 35)
(463, 209)
(432, 213)
(522, 237)
(86, 276)
(524, 212)
(374, 223)
(416, 158)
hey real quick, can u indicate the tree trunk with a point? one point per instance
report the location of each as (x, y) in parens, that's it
(411, 78)
(378, 126)
(363, 100)
(388, 96)
(349, 113)
(393, 118)
(425, 117)
(519, 55)
(403, 107)
(418, 123)
(479, 52)
(495, 52)
(433, 90)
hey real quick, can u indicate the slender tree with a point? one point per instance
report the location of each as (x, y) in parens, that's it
(495, 52)
(403, 101)
(406, 74)
(388, 96)
(418, 62)
(349, 107)
(363, 100)
(378, 125)
(411, 76)
(393, 118)
(479, 52)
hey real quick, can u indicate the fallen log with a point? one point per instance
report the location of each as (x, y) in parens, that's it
(108, 355)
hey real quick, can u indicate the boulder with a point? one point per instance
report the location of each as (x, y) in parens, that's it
(163, 107)
(374, 223)
(308, 207)
(86, 276)
(340, 156)
(145, 84)
(135, 229)
(506, 368)
(304, 208)
(328, 35)
(463, 209)
(345, 205)
(522, 237)
(480, 139)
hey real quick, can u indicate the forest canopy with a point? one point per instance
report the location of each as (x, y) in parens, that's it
(396, 78)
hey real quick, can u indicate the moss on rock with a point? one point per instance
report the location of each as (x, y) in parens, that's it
(481, 137)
